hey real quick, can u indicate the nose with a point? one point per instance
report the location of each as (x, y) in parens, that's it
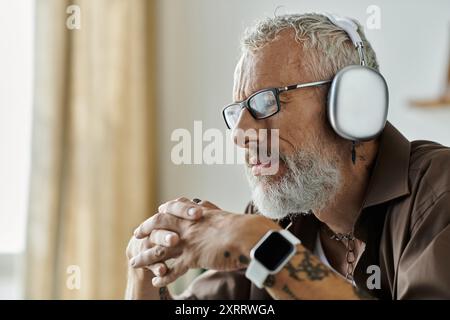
(246, 130)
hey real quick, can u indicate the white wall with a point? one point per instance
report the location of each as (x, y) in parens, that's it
(198, 48)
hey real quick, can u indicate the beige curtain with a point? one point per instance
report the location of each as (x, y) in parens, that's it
(93, 161)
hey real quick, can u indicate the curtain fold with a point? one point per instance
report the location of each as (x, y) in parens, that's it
(93, 162)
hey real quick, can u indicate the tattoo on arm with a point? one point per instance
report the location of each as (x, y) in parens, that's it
(270, 281)
(307, 269)
(243, 259)
(292, 271)
(361, 294)
(289, 292)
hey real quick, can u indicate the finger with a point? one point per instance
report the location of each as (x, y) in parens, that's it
(164, 238)
(173, 274)
(182, 208)
(152, 256)
(182, 199)
(157, 221)
(159, 269)
(207, 204)
(147, 243)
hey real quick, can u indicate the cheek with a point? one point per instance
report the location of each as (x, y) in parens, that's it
(299, 122)
(294, 133)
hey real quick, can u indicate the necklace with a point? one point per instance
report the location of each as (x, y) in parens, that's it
(348, 239)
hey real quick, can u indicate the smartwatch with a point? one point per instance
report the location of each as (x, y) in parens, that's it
(270, 255)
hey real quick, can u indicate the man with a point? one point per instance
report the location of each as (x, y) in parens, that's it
(373, 219)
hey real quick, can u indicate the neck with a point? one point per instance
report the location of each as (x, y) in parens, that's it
(341, 214)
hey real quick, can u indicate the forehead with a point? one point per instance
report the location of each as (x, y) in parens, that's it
(280, 62)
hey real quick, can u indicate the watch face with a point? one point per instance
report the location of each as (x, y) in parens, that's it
(273, 251)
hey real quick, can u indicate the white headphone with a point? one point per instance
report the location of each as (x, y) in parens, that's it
(358, 98)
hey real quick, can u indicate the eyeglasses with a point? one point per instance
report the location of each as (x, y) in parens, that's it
(262, 104)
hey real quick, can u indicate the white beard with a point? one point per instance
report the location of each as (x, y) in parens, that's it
(309, 184)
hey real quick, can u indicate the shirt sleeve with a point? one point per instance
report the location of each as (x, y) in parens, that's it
(425, 263)
(218, 285)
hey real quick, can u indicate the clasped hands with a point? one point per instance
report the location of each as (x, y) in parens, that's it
(184, 234)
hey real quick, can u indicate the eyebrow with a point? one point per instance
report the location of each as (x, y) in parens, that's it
(252, 92)
(243, 93)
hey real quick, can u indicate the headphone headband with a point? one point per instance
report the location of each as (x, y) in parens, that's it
(358, 98)
(350, 27)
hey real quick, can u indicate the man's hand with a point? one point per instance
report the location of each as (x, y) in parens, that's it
(160, 238)
(139, 284)
(185, 235)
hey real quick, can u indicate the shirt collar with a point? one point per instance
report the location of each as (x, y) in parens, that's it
(389, 179)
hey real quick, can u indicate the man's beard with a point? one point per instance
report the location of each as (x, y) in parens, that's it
(309, 183)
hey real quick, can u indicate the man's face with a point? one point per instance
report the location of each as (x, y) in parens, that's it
(308, 175)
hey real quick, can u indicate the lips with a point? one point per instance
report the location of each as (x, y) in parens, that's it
(258, 168)
(262, 168)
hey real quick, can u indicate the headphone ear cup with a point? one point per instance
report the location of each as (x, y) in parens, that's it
(358, 102)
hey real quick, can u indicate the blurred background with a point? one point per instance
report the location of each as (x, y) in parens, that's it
(91, 92)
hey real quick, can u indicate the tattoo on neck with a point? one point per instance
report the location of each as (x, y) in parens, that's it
(164, 293)
(307, 269)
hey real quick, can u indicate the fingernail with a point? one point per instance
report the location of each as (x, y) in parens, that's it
(135, 231)
(192, 211)
(160, 271)
(133, 262)
(155, 281)
(167, 238)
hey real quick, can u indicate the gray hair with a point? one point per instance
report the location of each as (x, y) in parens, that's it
(332, 47)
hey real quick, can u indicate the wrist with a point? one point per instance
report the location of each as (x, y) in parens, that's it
(139, 286)
(270, 254)
(255, 227)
